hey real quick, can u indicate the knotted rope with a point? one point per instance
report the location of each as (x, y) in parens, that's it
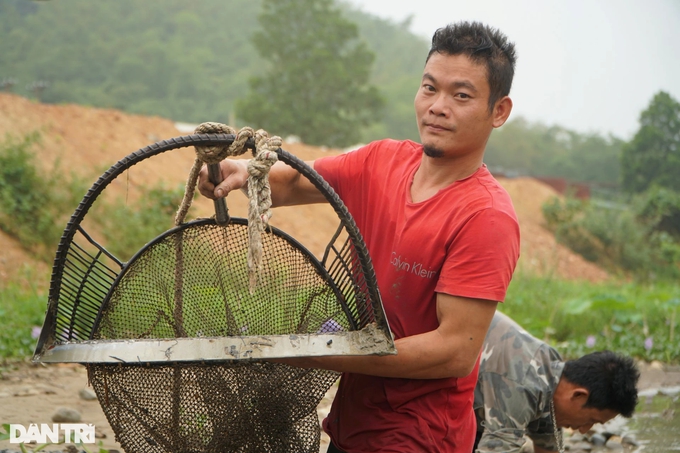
(259, 190)
(210, 155)
(260, 198)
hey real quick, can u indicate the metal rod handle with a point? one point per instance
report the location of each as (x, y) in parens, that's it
(221, 212)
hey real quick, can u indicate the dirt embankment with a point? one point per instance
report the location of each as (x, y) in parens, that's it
(88, 141)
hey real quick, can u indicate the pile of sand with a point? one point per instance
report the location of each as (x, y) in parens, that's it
(88, 141)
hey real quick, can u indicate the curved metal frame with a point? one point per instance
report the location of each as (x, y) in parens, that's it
(48, 349)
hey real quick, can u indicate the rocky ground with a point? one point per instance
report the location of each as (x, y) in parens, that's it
(34, 393)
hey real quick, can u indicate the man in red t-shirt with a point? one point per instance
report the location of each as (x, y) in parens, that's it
(444, 241)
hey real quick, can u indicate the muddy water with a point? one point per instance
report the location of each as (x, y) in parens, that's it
(656, 424)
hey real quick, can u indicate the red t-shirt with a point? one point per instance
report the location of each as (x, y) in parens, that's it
(463, 241)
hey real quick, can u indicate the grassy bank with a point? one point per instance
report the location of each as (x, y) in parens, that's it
(22, 311)
(579, 317)
(576, 317)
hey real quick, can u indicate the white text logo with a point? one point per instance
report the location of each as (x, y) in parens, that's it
(43, 433)
(412, 268)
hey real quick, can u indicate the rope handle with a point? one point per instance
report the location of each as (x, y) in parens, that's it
(259, 191)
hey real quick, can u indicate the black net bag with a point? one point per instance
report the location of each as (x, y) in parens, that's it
(176, 338)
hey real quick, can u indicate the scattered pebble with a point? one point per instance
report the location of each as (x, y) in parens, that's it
(26, 391)
(614, 443)
(629, 439)
(582, 445)
(670, 391)
(66, 415)
(656, 365)
(647, 393)
(607, 438)
(598, 440)
(87, 394)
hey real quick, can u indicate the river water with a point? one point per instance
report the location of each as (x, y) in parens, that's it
(656, 424)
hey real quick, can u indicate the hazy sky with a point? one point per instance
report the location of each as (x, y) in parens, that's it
(587, 65)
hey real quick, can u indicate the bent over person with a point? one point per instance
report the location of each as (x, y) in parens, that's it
(524, 388)
(444, 241)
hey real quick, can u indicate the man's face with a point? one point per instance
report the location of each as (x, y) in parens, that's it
(452, 106)
(573, 414)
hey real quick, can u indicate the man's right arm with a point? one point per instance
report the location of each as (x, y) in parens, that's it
(288, 186)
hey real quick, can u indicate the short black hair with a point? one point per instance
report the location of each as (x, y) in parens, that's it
(484, 45)
(610, 378)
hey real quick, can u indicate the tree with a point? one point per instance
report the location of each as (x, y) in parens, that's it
(539, 150)
(659, 210)
(317, 86)
(653, 156)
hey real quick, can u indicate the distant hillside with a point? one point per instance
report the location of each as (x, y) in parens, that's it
(87, 141)
(188, 63)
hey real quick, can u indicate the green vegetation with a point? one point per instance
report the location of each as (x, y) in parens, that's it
(318, 74)
(632, 318)
(399, 62)
(639, 240)
(127, 227)
(637, 234)
(294, 301)
(653, 156)
(194, 64)
(523, 148)
(35, 207)
(33, 204)
(187, 64)
(22, 312)
(578, 317)
(154, 57)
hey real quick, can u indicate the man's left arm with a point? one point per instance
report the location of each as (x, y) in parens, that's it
(451, 350)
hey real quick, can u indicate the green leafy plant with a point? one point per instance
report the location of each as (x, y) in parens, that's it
(638, 239)
(33, 204)
(579, 317)
(25, 306)
(652, 157)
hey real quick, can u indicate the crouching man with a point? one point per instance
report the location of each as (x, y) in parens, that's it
(524, 388)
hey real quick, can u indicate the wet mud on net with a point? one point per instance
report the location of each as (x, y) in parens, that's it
(230, 407)
(189, 283)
